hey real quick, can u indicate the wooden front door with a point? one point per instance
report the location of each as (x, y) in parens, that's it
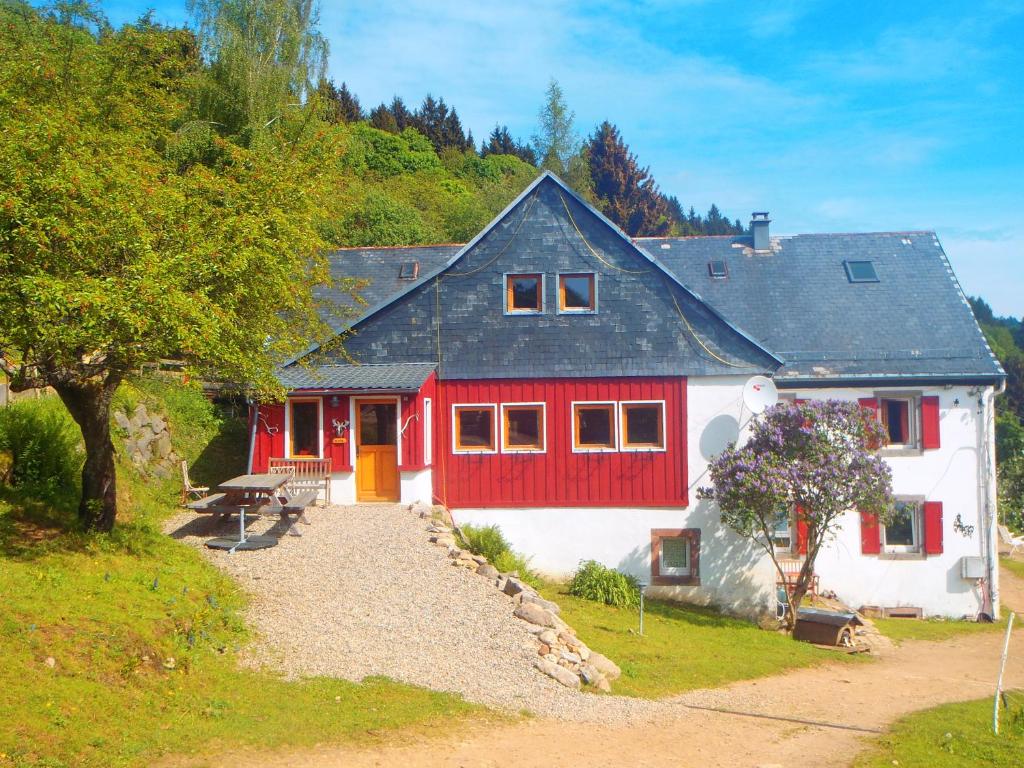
(376, 450)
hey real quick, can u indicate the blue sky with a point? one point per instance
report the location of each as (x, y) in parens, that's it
(833, 116)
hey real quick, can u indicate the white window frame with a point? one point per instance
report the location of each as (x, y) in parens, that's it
(558, 293)
(288, 426)
(791, 527)
(613, 448)
(543, 427)
(495, 434)
(543, 293)
(664, 570)
(917, 530)
(913, 400)
(428, 432)
(620, 417)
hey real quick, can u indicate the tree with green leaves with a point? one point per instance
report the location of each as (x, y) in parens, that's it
(500, 142)
(123, 240)
(340, 105)
(557, 144)
(625, 192)
(265, 57)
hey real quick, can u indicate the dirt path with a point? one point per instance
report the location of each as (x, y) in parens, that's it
(860, 699)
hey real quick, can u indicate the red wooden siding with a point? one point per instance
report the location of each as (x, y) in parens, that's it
(559, 477)
(414, 423)
(338, 453)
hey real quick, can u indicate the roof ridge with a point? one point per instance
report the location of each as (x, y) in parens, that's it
(893, 232)
(393, 247)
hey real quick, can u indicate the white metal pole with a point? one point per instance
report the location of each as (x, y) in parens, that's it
(999, 682)
(641, 613)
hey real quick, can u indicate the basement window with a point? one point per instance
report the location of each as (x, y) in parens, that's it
(577, 293)
(474, 428)
(718, 269)
(409, 270)
(524, 294)
(861, 271)
(593, 426)
(675, 556)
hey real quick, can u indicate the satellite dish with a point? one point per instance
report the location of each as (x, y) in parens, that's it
(760, 394)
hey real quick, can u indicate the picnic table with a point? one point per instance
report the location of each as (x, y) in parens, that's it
(254, 495)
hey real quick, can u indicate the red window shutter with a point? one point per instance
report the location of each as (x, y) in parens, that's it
(870, 535)
(801, 400)
(871, 403)
(801, 531)
(933, 527)
(930, 423)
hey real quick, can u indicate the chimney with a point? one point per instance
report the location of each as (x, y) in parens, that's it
(759, 222)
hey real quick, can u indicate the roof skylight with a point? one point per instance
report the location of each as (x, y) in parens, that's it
(717, 268)
(861, 271)
(410, 270)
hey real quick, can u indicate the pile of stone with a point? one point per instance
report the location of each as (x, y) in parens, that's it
(561, 655)
(147, 441)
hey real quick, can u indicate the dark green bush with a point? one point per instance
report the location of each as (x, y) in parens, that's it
(593, 581)
(42, 443)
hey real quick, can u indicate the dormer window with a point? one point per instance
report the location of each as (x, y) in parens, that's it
(577, 293)
(524, 294)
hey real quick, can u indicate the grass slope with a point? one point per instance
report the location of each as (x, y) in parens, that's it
(122, 647)
(957, 735)
(1016, 567)
(933, 629)
(683, 647)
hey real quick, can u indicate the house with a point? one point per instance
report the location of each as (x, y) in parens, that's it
(569, 384)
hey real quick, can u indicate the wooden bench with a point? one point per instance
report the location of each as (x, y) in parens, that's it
(299, 502)
(307, 474)
(204, 504)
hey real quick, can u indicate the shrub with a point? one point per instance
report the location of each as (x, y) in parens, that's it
(488, 541)
(43, 444)
(593, 581)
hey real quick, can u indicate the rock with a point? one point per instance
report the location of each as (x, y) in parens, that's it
(442, 539)
(583, 651)
(548, 637)
(604, 665)
(552, 658)
(535, 615)
(170, 663)
(514, 586)
(568, 638)
(562, 675)
(480, 560)
(500, 583)
(603, 685)
(531, 597)
(157, 424)
(163, 445)
(51, 662)
(544, 650)
(487, 570)
(122, 420)
(435, 528)
(571, 657)
(589, 674)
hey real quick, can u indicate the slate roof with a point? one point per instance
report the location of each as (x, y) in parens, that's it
(914, 323)
(384, 376)
(637, 330)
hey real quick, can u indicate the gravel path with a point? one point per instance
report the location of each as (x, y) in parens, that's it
(364, 593)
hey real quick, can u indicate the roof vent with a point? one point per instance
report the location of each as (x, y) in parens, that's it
(759, 222)
(410, 270)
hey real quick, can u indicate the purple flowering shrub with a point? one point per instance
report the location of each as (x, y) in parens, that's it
(812, 460)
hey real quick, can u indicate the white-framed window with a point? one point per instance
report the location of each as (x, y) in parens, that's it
(899, 417)
(524, 293)
(473, 428)
(428, 431)
(642, 425)
(594, 426)
(674, 557)
(783, 535)
(577, 293)
(304, 428)
(902, 534)
(523, 428)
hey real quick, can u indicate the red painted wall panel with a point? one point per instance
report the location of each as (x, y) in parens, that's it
(414, 424)
(560, 477)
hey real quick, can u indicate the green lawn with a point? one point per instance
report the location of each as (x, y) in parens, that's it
(952, 736)
(683, 647)
(1016, 567)
(143, 638)
(933, 629)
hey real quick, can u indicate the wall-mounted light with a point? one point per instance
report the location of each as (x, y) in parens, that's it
(335, 401)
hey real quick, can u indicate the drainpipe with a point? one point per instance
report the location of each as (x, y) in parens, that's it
(254, 418)
(990, 491)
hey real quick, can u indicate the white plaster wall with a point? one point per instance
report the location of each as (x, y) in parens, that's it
(952, 474)
(417, 486)
(735, 574)
(343, 487)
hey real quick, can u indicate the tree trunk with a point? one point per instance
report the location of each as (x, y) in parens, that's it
(89, 406)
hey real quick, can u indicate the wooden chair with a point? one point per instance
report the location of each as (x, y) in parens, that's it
(187, 489)
(1013, 542)
(791, 570)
